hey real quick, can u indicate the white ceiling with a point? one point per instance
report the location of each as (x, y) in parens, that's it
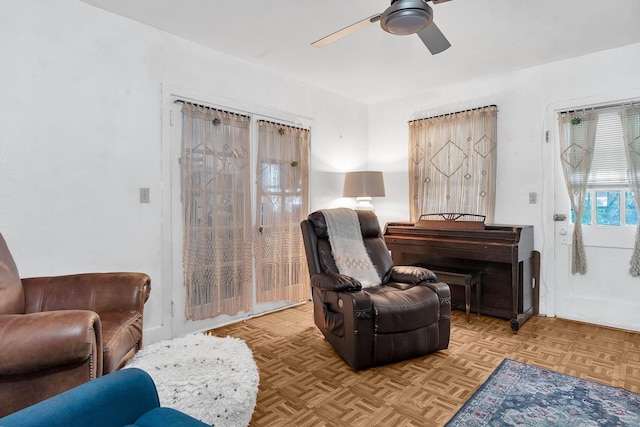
(488, 37)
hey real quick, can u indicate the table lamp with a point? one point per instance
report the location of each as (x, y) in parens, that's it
(363, 185)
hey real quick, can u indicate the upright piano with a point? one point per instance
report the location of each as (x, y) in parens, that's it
(504, 254)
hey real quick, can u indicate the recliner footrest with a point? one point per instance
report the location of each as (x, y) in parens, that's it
(404, 310)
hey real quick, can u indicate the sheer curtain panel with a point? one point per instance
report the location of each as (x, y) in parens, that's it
(452, 163)
(630, 115)
(216, 201)
(282, 202)
(577, 143)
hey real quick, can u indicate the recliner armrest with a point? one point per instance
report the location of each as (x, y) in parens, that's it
(99, 292)
(444, 293)
(411, 274)
(30, 343)
(335, 282)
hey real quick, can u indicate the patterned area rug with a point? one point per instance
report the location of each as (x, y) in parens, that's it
(212, 379)
(517, 394)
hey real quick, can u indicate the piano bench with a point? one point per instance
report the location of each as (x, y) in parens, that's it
(466, 278)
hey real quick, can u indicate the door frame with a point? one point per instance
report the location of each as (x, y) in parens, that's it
(554, 272)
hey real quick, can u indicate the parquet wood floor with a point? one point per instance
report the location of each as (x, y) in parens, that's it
(303, 382)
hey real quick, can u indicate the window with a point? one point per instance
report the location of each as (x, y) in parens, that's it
(613, 207)
(609, 201)
(452, 163)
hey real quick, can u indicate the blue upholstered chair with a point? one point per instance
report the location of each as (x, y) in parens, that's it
(123, 398)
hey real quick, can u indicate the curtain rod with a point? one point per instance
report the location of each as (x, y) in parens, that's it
(208, 107)
(182, 101)
(601, 107)
(457, 112)
(244, 113)
(283, 125)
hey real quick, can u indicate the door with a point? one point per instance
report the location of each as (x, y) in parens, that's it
(606, 294)
(240, 161)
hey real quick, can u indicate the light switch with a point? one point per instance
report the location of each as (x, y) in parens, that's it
(144, 195)
(533, 198)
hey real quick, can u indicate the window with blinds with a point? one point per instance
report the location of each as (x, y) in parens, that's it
(609, 165)
(609, 202)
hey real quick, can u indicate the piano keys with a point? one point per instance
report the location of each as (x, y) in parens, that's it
(504, 254)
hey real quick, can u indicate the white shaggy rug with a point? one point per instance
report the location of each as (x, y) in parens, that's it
(212, 379)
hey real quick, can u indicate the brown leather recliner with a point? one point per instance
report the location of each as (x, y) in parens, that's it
(59, 332)
(407, 316)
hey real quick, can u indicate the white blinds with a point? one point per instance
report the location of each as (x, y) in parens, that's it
(609, 166)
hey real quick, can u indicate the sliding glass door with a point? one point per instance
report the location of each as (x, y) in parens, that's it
(239, 192)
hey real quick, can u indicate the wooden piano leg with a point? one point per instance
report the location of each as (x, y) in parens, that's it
(467, 300)
(535, 272)
(520, 319)
(515, 325)
(478, 290)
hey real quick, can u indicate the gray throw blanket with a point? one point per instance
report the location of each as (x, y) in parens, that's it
(347, 246)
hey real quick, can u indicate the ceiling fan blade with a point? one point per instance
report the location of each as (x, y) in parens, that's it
(433, 38)
(346, 31)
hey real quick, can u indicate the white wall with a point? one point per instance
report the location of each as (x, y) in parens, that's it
(82, 132)
(525, 161)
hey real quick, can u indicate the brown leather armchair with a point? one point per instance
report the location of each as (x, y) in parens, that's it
(407, 316)
(59, 332)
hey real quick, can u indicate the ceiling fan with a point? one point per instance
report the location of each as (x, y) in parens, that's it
(402, 17)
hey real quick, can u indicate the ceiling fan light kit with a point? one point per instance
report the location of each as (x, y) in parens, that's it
(403, 17)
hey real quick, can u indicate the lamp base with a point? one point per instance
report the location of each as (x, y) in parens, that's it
(364, 204)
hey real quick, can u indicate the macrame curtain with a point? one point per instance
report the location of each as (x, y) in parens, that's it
(216, 202)
(452, 163)
(630, 115)
(283, 200)
(577, 143)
